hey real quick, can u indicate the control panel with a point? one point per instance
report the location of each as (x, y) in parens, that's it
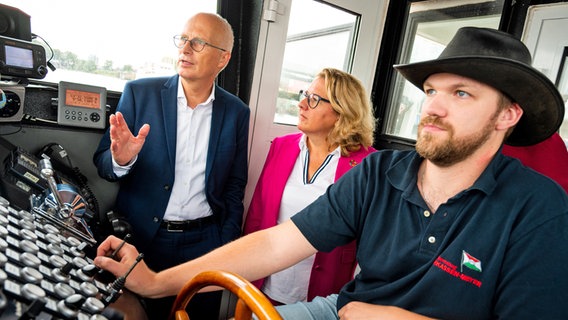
(81, 105)
(46, 271)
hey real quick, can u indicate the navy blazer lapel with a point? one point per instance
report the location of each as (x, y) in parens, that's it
(218, 113)
(169, 108)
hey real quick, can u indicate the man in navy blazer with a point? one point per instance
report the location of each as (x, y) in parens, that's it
(182, 177)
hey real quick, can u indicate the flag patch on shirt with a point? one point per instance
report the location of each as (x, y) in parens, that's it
(452, 269)
(470, 262)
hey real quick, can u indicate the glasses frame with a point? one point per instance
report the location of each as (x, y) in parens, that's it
(193, 43)
(312, 96)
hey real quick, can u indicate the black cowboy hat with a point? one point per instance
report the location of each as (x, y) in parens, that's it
(498, 59)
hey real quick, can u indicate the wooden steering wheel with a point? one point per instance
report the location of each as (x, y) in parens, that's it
(250, 301)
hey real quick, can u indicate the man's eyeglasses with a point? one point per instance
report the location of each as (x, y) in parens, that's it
(196, 44)
(313, 99)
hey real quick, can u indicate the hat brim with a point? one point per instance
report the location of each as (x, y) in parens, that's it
(542, 104)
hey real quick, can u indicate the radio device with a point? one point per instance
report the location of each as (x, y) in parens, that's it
(22, 59)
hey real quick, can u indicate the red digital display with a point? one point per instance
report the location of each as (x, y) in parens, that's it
(83, 99)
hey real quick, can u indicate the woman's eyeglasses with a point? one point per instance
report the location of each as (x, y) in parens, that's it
(313, 99)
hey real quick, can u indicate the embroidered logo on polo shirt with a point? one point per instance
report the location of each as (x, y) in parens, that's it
(467, 261)
(470, 261)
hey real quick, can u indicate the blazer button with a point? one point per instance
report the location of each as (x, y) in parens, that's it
(167, 187)
(156, 219)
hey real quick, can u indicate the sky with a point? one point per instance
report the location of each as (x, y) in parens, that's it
(125, 31)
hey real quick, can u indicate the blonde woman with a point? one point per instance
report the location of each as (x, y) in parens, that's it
(336, 124)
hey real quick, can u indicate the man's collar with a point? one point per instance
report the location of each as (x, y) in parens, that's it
(181, 93)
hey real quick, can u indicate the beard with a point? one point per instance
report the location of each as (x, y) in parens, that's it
(451, 150)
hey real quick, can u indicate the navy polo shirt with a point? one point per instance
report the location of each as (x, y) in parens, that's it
(496, 250)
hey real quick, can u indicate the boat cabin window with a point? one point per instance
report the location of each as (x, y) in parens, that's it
(131, 39)
(430, 26)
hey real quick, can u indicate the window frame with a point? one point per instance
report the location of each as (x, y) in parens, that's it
(399, 24)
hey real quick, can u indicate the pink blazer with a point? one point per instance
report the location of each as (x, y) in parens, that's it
(330, 270)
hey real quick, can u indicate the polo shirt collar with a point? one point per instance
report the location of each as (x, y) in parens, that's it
(403, 174)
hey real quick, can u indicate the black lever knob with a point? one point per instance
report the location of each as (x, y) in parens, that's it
(67, 268)
(71, 305)
(74, 301)
(90, 270)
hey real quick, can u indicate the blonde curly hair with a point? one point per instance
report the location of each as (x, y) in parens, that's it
(349, 99)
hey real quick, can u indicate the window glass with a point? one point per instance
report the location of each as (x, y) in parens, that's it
(319, 36)
(431, 25)
(107, 43)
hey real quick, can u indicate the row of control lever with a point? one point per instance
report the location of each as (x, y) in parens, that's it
(45, 272)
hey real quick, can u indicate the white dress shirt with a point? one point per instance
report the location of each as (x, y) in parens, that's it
(188, 200)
